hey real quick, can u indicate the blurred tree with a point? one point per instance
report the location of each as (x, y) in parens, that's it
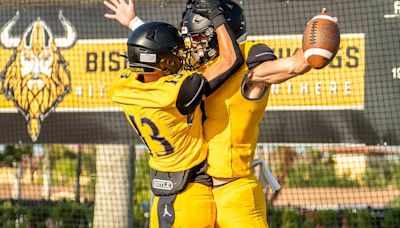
(12, 157)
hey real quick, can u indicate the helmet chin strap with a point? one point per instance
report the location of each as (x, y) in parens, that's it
(212, 53)
(201, 57)
(166, 71)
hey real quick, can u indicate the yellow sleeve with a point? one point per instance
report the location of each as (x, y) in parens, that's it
(126, 90)
(119, 83)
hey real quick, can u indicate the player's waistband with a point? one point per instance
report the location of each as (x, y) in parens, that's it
(219, 182)
(169, 183)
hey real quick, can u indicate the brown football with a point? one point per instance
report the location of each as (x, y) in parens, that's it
(321, 40)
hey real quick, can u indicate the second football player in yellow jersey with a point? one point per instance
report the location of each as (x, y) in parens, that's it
(232, 116)
(231, 129)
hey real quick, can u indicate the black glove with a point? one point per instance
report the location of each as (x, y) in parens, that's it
(189, 5)
(210, 9)
(207, 8)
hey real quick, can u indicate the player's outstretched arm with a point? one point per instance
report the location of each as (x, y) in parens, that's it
(230, 55)
(280, 70)
(124, 13)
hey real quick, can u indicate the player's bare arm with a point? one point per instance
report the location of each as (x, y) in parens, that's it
(125, 13)
(228, 56)
(229, 51)
(266, 69)
(280, 70)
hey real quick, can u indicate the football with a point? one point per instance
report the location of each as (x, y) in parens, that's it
(321, 40)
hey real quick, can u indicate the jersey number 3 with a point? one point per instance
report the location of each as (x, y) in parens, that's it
(155, 136)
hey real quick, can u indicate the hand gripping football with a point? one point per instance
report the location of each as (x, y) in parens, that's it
(321, 40)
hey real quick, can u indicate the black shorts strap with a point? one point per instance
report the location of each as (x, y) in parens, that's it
(165, 211)
(168, 183)
(199, 174)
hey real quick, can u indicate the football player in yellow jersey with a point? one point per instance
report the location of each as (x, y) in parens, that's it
(161, 101)
(234, 112)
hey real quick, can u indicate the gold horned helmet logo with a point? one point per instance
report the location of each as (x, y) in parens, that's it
(36, 78)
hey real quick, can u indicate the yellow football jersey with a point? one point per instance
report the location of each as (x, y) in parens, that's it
(175, 141)
(231, 127)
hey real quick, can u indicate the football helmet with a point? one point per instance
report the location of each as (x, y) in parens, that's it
(155, 46)
(199, 30)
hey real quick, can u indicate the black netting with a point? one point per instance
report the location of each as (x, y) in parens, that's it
(69, 158)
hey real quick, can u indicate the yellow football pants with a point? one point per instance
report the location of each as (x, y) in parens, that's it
(240, 203)
(194, 207)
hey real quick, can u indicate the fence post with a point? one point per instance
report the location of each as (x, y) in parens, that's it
(114, 183)
(132, 174)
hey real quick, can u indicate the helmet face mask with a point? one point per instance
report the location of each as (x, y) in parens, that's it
(200, 34)
(200, 48)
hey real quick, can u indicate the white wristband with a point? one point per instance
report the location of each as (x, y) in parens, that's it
(135, 23)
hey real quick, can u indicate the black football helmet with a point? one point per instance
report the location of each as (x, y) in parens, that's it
(200, 29)
(155, 46)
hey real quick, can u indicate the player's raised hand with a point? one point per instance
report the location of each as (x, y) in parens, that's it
(188, 2)
(124, 12)
(189, 5)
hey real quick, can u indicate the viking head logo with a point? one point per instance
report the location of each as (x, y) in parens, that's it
(36, 77)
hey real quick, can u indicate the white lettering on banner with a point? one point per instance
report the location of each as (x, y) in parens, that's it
(347, 87)
(396, 7)
(396, 72)
(304, 88)
(275, 89)
(396, 11)
(289, 87)
(90, 91)
(318, 88)
(78, 91)
(102, 91)
(333, 88)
